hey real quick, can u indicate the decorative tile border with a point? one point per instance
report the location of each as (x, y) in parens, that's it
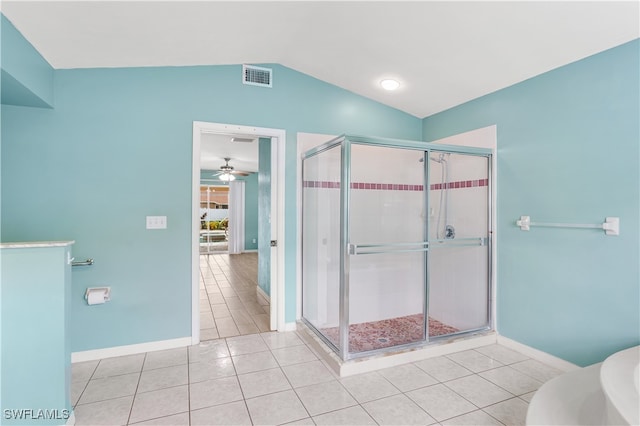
(397, 187)
(460, 184)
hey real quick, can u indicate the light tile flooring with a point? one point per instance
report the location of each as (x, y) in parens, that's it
(275, 378)
(229, 305)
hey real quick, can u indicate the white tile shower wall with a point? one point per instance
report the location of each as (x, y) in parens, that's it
(386, 285)
(370, 163)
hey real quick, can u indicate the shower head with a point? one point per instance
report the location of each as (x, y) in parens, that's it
(440, 158)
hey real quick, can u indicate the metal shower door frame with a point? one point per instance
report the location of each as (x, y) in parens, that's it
(346, 248)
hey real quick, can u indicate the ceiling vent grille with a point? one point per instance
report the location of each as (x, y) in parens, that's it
(257, 76)
(242, 140)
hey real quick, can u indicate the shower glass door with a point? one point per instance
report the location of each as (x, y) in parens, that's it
(386, 260)
(459, 243)
(321, 242)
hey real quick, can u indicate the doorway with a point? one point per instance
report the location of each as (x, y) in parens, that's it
(275, 246)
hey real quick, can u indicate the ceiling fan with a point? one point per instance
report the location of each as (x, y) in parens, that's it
(227, 171)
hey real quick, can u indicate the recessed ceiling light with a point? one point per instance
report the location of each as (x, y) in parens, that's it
(389, 84)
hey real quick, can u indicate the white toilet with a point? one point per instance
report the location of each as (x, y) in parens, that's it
(601, 394)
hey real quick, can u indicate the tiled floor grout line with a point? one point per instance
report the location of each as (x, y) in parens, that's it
(482, 371)
(295, 389)
(189, 385)
(240, 318)
(244, 398)
(306, 410)
(135, 392)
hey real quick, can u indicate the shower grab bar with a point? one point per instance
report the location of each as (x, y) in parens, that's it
(356, 249)
(459, 242)
(611, 225)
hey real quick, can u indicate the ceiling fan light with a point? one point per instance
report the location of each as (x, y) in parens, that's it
(227, 177)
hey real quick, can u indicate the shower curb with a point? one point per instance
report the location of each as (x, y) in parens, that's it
(392, 359)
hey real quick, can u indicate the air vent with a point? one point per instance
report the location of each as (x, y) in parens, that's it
(256, 76)
(243, 140)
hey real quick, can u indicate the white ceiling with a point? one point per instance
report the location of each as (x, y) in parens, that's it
(215, 147)
(443, 53)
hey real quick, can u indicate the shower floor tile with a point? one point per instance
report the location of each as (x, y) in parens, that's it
(373, 335)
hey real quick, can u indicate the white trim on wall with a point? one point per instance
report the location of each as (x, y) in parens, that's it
(138, 348)
(260, 293)
(278, 163)
(290, 326)
(538, 355)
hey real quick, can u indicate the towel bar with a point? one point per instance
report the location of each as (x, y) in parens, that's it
(611, 225)
(87, 262)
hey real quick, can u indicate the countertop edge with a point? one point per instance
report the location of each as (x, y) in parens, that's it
(36, 244)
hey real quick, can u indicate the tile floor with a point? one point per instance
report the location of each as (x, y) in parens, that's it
(275, 378)
(229, 305)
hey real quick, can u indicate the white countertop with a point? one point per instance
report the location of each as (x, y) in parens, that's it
(36, 244)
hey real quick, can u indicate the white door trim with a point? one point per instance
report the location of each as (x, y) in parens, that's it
(278, 143)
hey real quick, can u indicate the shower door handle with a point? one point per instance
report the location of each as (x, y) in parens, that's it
(460, 242)
(357, 249)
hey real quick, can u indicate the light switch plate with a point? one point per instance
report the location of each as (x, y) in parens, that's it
(156, 222)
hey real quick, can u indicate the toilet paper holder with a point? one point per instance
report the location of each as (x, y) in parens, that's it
(97, 295)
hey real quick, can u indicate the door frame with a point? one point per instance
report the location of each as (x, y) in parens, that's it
(278, 143)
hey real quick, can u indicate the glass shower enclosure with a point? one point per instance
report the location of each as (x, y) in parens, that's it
(396, 243)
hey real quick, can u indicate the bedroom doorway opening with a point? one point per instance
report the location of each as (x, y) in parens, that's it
(268, 243)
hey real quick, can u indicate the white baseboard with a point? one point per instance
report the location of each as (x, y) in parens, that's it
(130, 349)
(290, 326)
(263, 294)
(538, 355)
(250, 251)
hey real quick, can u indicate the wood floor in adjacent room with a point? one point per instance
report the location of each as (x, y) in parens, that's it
(229, 304)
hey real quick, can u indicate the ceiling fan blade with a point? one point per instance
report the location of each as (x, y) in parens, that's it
(240, 173)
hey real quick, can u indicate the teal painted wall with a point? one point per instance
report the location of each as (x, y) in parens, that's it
(251, 212)
(568, 151)
(85, 162)
(264, 215)
(26, 78)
